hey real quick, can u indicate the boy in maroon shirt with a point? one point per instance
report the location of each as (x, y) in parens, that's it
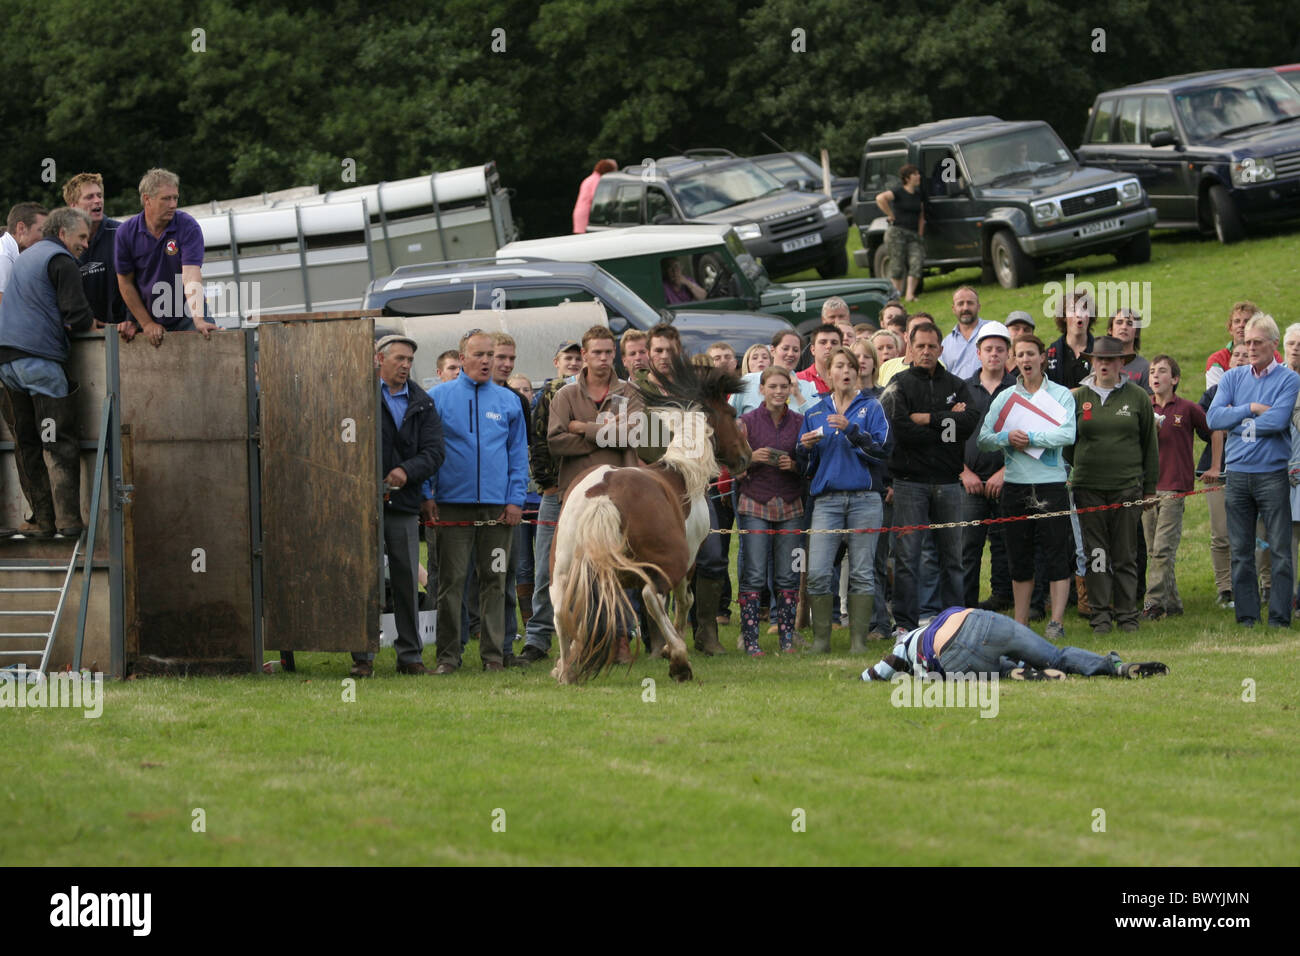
(1176, 420)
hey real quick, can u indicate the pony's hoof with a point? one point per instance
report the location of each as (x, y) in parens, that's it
(681, 673)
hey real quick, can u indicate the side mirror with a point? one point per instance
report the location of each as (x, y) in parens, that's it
(664, 219)
(1163, 138)
(617, 324)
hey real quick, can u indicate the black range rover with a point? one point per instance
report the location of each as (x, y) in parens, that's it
(787, 229)
(1005, 196)
(1215, 151)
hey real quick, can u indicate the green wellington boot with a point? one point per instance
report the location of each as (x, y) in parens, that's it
(820, 605)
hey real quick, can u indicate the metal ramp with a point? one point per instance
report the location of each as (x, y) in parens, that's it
(52, 616)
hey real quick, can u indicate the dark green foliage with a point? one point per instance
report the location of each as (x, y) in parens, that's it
(284, 93)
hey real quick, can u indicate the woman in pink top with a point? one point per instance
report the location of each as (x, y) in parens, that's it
(587, 192)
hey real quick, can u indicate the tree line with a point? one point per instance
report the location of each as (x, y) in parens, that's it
(241, 97)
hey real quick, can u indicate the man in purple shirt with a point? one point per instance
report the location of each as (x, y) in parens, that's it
(159, 254)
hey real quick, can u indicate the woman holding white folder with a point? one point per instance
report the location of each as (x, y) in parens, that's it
(1032, 423)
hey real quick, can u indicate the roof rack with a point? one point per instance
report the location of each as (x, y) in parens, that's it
(417, 267)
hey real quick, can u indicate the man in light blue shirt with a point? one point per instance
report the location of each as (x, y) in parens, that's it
(960, 351)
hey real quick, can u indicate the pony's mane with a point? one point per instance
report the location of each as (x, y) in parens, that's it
(685, 390)
(688, 384)
(690, 453)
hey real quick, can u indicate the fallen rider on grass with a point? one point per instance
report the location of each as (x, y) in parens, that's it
(966, 640)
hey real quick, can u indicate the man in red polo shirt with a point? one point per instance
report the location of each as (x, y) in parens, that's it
(826, 339)
(1178, 420)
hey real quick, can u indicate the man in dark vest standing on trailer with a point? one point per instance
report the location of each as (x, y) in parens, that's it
(44, 300)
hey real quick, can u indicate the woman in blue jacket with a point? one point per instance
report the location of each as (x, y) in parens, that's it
(842, 436)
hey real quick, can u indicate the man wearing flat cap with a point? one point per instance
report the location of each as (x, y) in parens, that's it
(413, 452)
(1019, 323)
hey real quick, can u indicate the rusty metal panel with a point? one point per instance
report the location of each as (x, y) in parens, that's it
(190, 572)
(320, 485)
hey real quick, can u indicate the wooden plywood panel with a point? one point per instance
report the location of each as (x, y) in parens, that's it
(320, 483)
(191, 572)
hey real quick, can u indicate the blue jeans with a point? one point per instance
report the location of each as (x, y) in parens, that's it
(916, 503)
(758, 550)
(1265, 497)
(541, 626)
(844, 509)
(35, 376)
(523, 547)
(928, 598)
(992, 643)
(880, 619)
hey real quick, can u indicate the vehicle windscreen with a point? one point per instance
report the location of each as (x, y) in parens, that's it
(1247, 103)
(713, 189)
(1011, 155)
(785, 169)
(751, 267)
(618, 298)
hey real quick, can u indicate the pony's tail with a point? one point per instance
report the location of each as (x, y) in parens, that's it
(595, 604)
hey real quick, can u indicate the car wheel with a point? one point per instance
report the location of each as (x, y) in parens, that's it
(836, 266)
(707, 269)
(1136, 251)
(1012, 267)
(1224, 215)
(880, 263)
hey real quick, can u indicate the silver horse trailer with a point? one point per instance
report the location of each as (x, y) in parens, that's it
(300, 250)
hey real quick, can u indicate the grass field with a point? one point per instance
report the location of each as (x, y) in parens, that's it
(417, 771)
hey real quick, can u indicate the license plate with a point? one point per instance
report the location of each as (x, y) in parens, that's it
(803, 242)
(1096, 228)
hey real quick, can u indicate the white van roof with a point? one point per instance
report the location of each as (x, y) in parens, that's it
(617, 243)
(537, 333)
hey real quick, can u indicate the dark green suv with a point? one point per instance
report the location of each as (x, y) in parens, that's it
(787, 229)
(1006, 196)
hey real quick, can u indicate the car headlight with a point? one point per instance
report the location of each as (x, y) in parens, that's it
(1046, 213)
(1130, 190)
(1249, 171)
(749, 230)
(829, 208)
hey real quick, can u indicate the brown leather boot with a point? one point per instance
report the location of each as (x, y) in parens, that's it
(524, 592)
(1081, 595)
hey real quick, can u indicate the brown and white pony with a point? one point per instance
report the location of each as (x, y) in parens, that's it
(642, 526)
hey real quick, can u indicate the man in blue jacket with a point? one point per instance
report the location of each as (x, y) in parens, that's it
(412, 447)
(485, 478)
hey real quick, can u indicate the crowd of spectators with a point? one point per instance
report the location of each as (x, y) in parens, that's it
(1084, 442)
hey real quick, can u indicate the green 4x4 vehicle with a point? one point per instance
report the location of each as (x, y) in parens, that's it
(1005, 196)
(639, 255)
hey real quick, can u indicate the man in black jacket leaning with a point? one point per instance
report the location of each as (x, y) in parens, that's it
(931, 413)
(413, 452)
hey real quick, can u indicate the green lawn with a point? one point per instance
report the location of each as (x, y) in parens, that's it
(713, 772)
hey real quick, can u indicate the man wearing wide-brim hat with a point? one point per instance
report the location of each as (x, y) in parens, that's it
(1115, 459)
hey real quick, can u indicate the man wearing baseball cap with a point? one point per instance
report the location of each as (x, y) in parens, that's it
(983, 473)
(412, 447)
(1019, 323)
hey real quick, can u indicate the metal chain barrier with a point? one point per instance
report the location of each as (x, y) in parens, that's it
(903, 529)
